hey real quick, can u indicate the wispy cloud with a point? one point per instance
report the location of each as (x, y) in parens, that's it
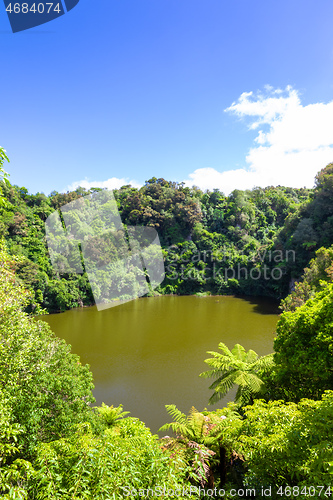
(292, 144)
(112, 183)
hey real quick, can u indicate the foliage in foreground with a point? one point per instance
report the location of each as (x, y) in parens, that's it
(124, 458)
(44, 387)
(278, 444)
(205, 438)
(288, 444)
(304, 349)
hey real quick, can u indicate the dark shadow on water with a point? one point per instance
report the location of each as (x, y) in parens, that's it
(262, 305)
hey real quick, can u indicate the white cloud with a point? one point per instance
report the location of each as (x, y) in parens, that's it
(112, 183)
(293, 142)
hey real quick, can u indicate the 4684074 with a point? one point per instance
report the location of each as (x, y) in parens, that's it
(35, 8)
(308, 491)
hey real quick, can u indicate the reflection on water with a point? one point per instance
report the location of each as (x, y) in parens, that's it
(149, 352)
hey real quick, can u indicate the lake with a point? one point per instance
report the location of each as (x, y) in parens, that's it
(149, 352)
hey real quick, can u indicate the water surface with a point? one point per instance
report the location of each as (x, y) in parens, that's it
(149, 352)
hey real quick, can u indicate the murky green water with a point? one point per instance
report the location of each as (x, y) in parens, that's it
(149, 352)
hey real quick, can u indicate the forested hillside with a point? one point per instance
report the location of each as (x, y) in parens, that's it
(251, 242)
(273, 441)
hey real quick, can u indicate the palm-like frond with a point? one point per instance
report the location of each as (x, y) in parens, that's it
(250, 380)
(251, 357)
(179, 426)
(203, 429)
(212, 373)
(243, 396)
(180, 417)
(224, 349)
(222, 386)
(189, 427)
(176, 427)
(111, 414)
(238, 352)
(265, 362)
(236, 367)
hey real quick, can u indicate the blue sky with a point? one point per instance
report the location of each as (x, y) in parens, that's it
(122, 90)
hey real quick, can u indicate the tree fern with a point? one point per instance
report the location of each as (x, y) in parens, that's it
(236, 367)
(111, 414)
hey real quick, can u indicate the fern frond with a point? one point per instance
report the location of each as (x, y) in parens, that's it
(225, 382)
(265, 362)
(239, 352)
(249, 381)
(225, 350)
(212, 373)
(176, 414)
(251, 356)
(221, 389)
(177, 428)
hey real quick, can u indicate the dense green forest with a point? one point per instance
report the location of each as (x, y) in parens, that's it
(275, 439)
(249, 243)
